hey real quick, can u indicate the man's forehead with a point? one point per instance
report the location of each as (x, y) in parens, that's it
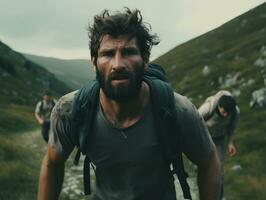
(108, 41)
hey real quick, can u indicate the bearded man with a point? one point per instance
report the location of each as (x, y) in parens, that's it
(124, 145)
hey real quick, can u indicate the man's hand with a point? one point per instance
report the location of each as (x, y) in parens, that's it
(231, 149)
(41, 121)
(38, 117)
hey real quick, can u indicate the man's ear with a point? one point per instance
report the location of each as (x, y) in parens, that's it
(146, 60)
(94, 63)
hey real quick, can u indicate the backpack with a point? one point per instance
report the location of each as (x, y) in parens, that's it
(163, 105)
(52, 102)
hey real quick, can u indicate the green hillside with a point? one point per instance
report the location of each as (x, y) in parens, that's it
(232, 57)
(22, 84)
(74, 73)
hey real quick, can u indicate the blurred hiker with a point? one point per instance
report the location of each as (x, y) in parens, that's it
(221, 114)
(43, 112)
(128, 122)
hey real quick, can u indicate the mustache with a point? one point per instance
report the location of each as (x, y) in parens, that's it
(117, 75)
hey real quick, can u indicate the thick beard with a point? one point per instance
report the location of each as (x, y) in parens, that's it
(124, 92)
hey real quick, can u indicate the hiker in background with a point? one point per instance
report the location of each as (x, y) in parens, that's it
(117, 111)
(43, 112)
(221, 114)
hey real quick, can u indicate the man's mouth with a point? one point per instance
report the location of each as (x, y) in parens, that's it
(119, 78)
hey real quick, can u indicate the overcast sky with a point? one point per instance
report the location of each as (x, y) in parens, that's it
(57, 28)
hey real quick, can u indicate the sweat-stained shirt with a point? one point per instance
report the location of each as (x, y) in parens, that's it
(129, 162)
(218, 126)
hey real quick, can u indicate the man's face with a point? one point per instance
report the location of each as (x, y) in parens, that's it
(222, 111)
(119, 67)
(46, 97)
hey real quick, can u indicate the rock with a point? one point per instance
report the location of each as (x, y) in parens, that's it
(258, 98)
(236, 168)
(205, 70)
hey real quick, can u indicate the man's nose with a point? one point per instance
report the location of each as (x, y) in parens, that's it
(118, 62)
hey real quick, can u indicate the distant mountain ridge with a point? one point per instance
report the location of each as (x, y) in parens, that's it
(231, 57)
(74, 73)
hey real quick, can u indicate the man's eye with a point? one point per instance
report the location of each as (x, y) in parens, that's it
(129, 52)
(107, 54)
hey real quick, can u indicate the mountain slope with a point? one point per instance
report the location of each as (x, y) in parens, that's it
(231, 57)
(22, 85)
(74, 73)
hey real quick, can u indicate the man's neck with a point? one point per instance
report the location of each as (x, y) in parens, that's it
(124, 114)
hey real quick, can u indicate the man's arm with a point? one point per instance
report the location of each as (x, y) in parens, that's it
(38, 117)
(51, 175)
(231, 148)
(205, 110)
(37, 113)
(209, 177)
(198, 146)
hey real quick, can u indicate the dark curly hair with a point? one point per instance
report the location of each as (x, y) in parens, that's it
(127, 23)
(228, 103)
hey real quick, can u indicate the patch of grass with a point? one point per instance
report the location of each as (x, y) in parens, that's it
(16, 118)
(20, 165)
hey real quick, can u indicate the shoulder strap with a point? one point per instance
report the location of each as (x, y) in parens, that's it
(84, 110)
(41, 106)
(165, 116)
(53, 102)
(168, 127)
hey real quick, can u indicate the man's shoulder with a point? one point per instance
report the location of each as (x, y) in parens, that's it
(223, 93)
(39, 103)
(186, 110)
(183, 103)
(64, 105)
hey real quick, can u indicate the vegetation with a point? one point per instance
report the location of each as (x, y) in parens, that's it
(22, 85)
(74, 73)
(231, 57)
(20, 156)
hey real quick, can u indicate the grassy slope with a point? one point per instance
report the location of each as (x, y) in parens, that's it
(20, 156)
(22, 84)
(15, 118)
(21, 149)
(229, 51)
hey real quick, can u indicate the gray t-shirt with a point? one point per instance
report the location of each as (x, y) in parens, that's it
(44, 109)
(129, 163)
(218, 126)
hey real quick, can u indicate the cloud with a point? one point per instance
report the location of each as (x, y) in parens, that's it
(48, 27)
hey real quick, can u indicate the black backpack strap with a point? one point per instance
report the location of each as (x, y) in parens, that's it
(53, 102)
(84, 110)
(83, 113)
(86, 176)
(41, 106)
(182, 175)
(166, 119)
(165, 116)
